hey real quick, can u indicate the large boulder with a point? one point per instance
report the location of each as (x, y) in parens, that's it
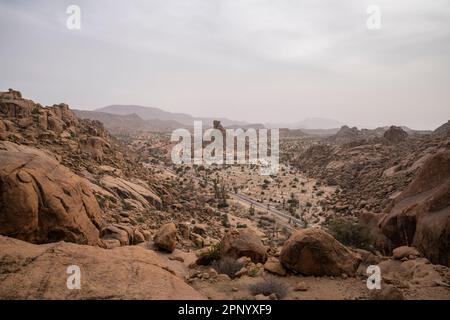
(166, 237)
(420, 215)
(42, 201)
(405, 252)
(115, 232)
(115, 235)
(273, 265)
(314, 252)
(240, 243)
(29, 271)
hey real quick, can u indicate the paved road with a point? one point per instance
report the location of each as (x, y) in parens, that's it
(264, 207)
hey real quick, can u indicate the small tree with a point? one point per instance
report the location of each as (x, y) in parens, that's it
(293, 203)
(303, 220)
(251, 210)
(223, 195)
(216, 188)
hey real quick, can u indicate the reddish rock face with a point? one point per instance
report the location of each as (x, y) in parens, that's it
(421, 214)
(243, 243)
(315, 252)
(130, 272)
(43, 201)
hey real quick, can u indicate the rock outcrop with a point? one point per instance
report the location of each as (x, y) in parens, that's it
(129, 190)
(314, 252)
(420, 215)
(32, 121)
(42, 201)
(414, 272)
(395, 135)
(240, 243)
(346, 135)
(29, 271)
(443, 129)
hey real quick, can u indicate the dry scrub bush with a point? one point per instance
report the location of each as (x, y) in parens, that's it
(268, 286)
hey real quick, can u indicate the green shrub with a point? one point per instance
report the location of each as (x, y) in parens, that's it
(111, 198)
(254, 272)
(222, 204)
(225, 221)
(101, 201)
(214, 252)
(126, 206)
(349, 233)
(228, 266)
(141, 219)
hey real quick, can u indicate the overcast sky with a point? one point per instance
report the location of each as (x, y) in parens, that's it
(254, 60)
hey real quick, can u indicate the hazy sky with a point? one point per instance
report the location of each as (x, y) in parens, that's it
(255, 60)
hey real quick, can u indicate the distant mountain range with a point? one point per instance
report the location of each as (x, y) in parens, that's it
(150, 113)
(132, 118)
(147, 117)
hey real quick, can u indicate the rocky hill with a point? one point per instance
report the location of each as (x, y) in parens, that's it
(391, 134)
(346, 135)
(55, 165)
(153, 113)
(371, 172)
(443, 129)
